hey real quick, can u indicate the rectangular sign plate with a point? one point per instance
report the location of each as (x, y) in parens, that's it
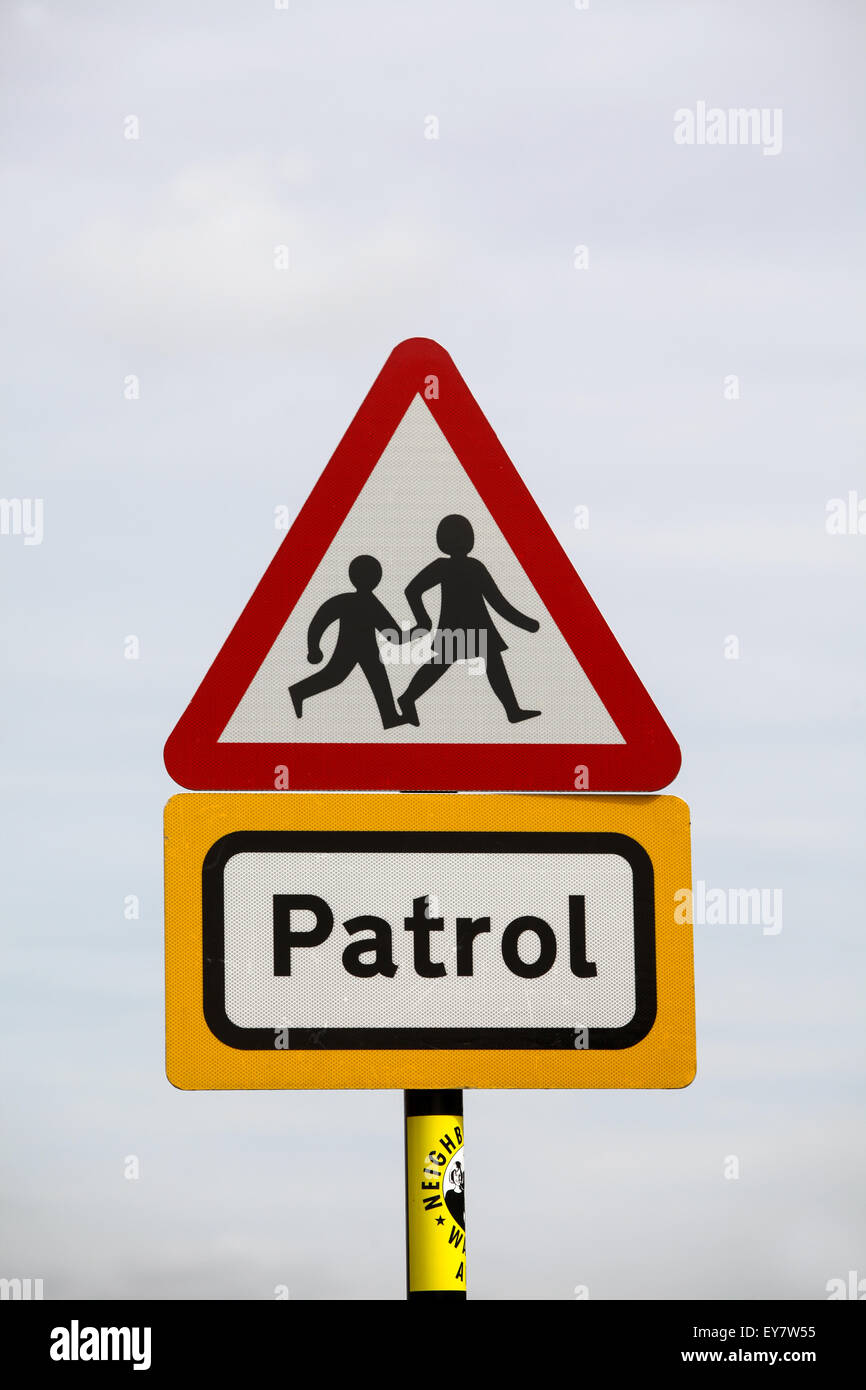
(428, 941)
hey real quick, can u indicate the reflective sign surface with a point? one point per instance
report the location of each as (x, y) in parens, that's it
(364, 940)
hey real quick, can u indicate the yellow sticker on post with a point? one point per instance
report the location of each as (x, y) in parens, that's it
(435, 1204)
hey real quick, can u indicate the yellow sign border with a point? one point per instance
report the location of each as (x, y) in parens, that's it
(197, 1060)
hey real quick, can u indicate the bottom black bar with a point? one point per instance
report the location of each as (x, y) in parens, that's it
(66, 1337)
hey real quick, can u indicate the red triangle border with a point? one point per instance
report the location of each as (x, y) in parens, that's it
(647, 761)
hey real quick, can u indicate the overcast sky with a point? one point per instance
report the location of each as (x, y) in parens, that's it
(610, 387)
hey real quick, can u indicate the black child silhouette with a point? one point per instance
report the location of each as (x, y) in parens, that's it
(468, 588)
(360, 615)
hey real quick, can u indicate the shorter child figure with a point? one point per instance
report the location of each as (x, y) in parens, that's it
(360, 616)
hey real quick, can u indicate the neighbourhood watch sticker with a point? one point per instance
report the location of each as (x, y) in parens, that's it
(437, 1203)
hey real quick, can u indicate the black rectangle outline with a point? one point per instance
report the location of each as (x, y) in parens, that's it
(434, 842)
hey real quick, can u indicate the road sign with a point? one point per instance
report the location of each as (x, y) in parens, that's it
(427, 941)
(420, 627)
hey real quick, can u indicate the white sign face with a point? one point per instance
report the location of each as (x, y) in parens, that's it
(409, 915)
(422, 937)
(418, 481)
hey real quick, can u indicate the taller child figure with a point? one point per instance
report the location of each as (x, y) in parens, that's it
(467, 589)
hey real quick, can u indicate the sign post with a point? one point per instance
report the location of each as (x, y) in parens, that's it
(421, 629)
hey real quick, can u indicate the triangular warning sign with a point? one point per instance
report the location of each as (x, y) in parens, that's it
(421, 628)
